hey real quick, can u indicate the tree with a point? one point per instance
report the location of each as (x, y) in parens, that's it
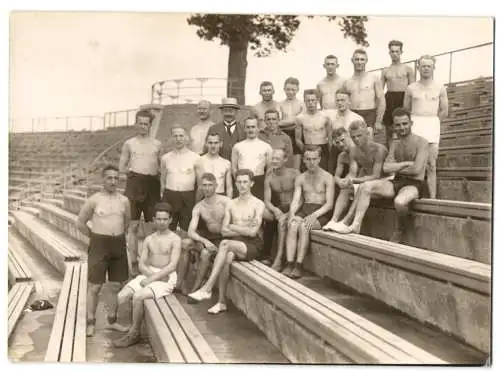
(262, 34)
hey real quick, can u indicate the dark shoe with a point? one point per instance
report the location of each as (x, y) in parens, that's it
(288, 269)
(128, 340)
(297, 271)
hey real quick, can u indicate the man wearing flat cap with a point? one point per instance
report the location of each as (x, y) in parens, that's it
(230, 131)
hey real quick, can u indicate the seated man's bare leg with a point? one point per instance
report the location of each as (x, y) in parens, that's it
(282, 230)
(304, 239)
(340, 206)
(205, 292)
(291, 245)
(124, 296)
(347, 220)
(132, 248)
(203, 267)
(133, 336)
(431, 169)
(223, 280)
(379, 188)
(401, 203)
(183, 264)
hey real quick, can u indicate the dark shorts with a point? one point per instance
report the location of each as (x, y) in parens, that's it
(393, 100)
(291, 133)
(275, 200)
(370, 116)
(258, 187)
(182, 203)
(254, 245)
(215, 238)
(308, 208)
(143, 192)
(107, 254)
(400, 181)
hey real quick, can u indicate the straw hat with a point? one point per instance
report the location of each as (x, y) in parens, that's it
(230, 102)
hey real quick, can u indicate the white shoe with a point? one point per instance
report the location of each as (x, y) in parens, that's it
(330, 226)
(200, 295)
(217, 308)
(342, 229)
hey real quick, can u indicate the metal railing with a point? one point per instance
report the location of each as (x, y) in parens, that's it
(459, 64)
(119, 118)
(188, 90)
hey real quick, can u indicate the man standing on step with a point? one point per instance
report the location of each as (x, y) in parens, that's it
(407, 159)
(266, 91)
(140, 161)
(215, 164)
(229, 130)
(204, 233)
(242, 221)
(366, 159)
(199, 131)
(397, 77)
(278, 194)
(367, 94)
(253, 154)
(316, 187)
(180, 168)
(109, 213)
(428, 103)
(314, 127)
(330, 84)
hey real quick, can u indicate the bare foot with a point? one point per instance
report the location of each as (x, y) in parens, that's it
(200, 295)
(342, 229)
(217, 308)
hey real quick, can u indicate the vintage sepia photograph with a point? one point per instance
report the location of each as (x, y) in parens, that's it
(237, 188)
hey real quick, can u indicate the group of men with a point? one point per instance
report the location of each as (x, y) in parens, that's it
(232, 190)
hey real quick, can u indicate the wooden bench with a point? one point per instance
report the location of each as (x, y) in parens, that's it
(172, 334)
(67, 342)
(451, 293)
(292, 316)
(18, 270)
(55, 248)
(18, 297)
(461, 229)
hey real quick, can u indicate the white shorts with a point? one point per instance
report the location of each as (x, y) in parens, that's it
(428, 127)
(159, 288)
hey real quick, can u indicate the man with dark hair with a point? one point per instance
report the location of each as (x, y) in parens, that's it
(213, 163)
(397, 77)
(330, 84)
(314, 127)
(367, 94)
(157, 263)
(240, 227)
(273, 135)
(316, 188)
(266, 91)
(407, 159)
(204, 232)
(140, 161)
(109, 213)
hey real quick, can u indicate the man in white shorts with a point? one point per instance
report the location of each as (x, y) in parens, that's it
(427, 102)
(215, 164)
(198, 132)
(254, 154)
(157, 264)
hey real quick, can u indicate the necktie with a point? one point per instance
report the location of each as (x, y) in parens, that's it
(228, 128)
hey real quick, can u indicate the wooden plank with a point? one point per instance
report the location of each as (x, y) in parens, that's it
(481, 173)
(56, 335)
(80, 344)
(386, 339)
(162, 342)
(24, 293)
(13, 298)
(342, 339)
(201, 346)
(187, 350)
(70, 323)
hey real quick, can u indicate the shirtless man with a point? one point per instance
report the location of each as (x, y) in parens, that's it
(316, 187)
(342, 117)
(180, 168)
(273, 135)
(199, 131)
(140, 161)
(428, 103)
(366, 159)
(213, 163)
(290, 108)
(330, 84)
(407, 159)
(109, 213)
(397, 77)
(313, 127)
(254, 154)
(240, 227)
(278, 193)
(267, 92)
(158, 261)
(367, 94)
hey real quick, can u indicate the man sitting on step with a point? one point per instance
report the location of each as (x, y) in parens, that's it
(407, 159)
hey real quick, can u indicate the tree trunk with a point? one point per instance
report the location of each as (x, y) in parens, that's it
(237, 70)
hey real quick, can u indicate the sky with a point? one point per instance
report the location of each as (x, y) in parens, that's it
(89, 63)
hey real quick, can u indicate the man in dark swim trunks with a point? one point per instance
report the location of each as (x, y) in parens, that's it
(316, 187)
(407, 159)
(204, 232)
(240, 228)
